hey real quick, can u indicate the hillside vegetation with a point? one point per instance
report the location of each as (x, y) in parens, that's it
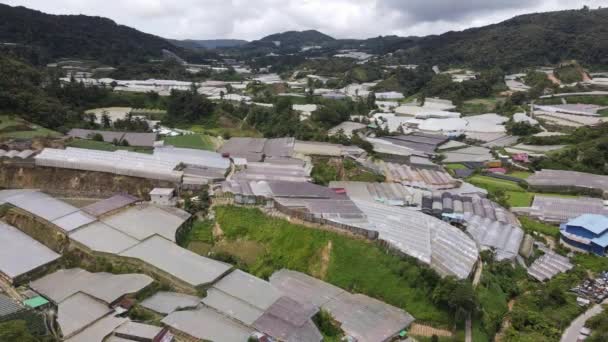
(80, 36)
(526, 40)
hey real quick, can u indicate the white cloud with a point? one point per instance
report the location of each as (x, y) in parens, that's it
(247, 19)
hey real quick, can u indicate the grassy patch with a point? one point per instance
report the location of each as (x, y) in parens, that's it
(603, 112)
(105, 146)
(591, 262)
(15, 127)
(531, 225)
(355, 265)
(196, 141)
(455, 166)
(519, 199)
(520, 174)
(494, 184)
(478, 106)
(220, 132)
(324, 172)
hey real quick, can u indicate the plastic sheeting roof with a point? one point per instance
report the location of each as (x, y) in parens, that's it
(118, 162)
(104, 286)
(179, 262)
(188, 156)
(109, 204)
(167, 302)
(559, 178)
(445, 248)
(361, 317)
(99, 330)
(207, 324)
(41, 205)
(560, 210)
(143, 221)
(78, 311)
(20, 254)
(100, 237)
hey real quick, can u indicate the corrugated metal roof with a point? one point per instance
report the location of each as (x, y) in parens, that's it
(179, 262)
(597, 224)
(20, 254)
(8, 306)
(548, 266)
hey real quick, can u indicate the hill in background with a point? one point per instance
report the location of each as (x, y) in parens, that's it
(208, 43)
(80, 36)
(526, 40)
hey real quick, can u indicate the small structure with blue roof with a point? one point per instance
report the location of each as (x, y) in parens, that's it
(588, 232)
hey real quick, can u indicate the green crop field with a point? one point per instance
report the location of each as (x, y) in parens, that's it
(494, 184)
(455, 166)
(197, 141)
(353, 264)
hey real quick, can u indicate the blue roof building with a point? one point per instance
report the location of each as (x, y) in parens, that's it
(588, 232)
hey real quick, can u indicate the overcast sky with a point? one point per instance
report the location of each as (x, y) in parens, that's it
(253, 19)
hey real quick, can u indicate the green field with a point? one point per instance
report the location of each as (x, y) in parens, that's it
(353, 264)
(219, 132)
(105, 146)
(15, 127)
(495, 184)
(197, 141)
(519, 198)
(478, 106)
(455, 166)
(520, 174)
(530, 225)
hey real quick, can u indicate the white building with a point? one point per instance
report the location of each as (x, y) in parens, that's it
(163, 196)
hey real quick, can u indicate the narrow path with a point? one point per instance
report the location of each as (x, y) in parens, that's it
(572, 332)
(418, 329)
(468, 334)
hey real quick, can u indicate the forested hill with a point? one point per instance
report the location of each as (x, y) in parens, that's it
(79, 36)
(208, 43)
(527, 40)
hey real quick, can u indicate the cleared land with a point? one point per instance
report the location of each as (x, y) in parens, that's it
(356, 265)
(15, 127)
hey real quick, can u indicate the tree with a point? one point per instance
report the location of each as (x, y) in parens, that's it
(97, 137)
(105, 119)
(17, 330)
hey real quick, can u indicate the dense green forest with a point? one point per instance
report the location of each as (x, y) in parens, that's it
(526, 40)
(79, 36)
